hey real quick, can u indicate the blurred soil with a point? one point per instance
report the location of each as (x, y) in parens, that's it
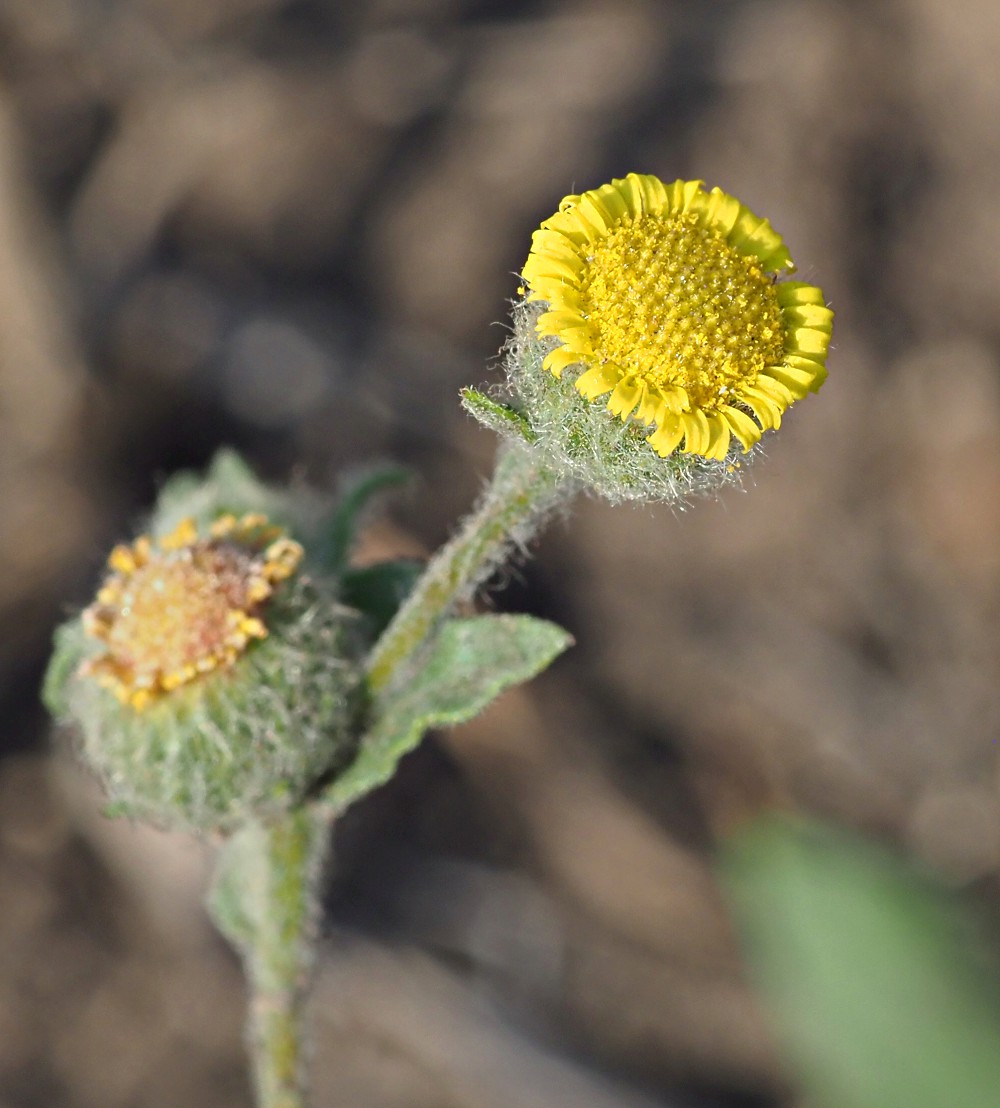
(292, 226)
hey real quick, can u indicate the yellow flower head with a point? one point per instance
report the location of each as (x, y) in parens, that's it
(184, 605)
(665, 297)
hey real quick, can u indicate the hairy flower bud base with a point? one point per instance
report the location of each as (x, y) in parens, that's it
(213, 681)
(247, 740)
(577, 440)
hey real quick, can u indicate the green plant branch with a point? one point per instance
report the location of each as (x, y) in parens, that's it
(519, 499)
(265, 901)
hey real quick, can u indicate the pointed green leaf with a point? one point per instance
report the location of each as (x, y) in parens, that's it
(69, 650)
(238, 890)
(354, 502)
(498, 417)
(871, 972)
(228, 485)
(264, 893)
(469, 664)
(378, 590)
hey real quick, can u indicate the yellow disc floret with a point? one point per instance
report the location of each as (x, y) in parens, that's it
(176, 608)
(665, 297)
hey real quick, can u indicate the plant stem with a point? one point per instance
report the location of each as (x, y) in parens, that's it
(519, 499)
(265, 900)
(274, 1034)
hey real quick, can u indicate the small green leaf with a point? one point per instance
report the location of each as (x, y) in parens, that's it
(498, 417)
(469, 664)
(229, 471)
(228, 480)
(238, 891)
(228, 485)
(354, 501)
(871, 972)
(263, 896)
(378, 590)
(69, 651)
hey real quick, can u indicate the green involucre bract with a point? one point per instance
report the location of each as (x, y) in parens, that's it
(584, 443)
(245, 741)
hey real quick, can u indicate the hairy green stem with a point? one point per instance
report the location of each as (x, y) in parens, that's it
(278, 964)
(275, 1038)
(519, 499)
(265, 900)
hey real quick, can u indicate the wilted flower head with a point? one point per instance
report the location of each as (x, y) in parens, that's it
(174, 609)
(664, 299)
(216, 675)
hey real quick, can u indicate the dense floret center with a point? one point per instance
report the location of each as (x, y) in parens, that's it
(179, 612)
(671, 302)
(185, 605)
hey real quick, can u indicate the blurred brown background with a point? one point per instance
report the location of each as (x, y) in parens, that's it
(291, 226)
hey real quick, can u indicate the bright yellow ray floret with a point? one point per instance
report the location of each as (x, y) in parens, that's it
(182, 606)
(665, 296)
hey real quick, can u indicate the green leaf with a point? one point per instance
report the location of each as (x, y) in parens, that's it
(230, 471)
(378, 590)
(498, 417)
(228, 484)
(264, 893)
(871, 972)
(470, 663)
(238, 891)
(69, 650)
(354, 501)
(327, 530)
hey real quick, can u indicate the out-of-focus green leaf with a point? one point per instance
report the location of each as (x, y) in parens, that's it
(469, 664)
(871, 972)
(351, 507)
(230, 486)
(378, 590)
(69, 651)
(264, 893)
